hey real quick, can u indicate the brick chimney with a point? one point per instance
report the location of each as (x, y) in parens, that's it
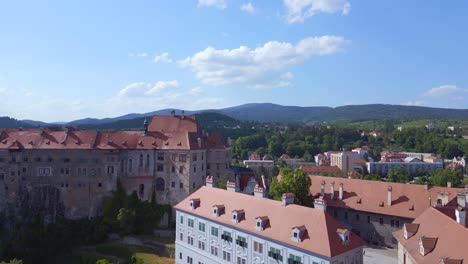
(259, 192)
(287, 198)
(332, 190)
(340, 194)
(231, 186)
(322, 189)
(320, 203)
(209, 181)
(389, 196)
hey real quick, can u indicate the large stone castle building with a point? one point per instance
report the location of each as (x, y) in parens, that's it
(65, 171)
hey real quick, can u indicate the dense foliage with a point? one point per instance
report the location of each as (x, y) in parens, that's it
(296, 182)
(36, 241)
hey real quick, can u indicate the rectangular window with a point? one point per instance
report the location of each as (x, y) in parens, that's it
(173, 184)
(357, 217)
(173, 169)
(181, 169)
(241, 241)
(275, 254)
(368, 219)
(159, 167)
(381, 221)
(214, 250)
(160, 155)
(346, 215)
(201, 245)
(202, 156)
(181, 220)
(240, 260)
(190, 240)
(181, 236)
(189, 260)
(190, 222)
(214, 231)
(194, 168)
(397, 223)
(201, 227)
(258, 247)
(392, 223)
(227, 256)
(194, 157)
(43, 171)
(181, 185)
(226, 236)
(182, 157)
(173, 157)
(293, 259)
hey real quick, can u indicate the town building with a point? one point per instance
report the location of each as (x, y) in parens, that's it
(260, 165)
(373, 209)
(66, 171)
(411, 162)
(294, 163)
(322, 170)
(434, 237)
(220, 226)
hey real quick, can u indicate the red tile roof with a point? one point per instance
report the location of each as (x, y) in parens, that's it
(452, 238)
(408, 200)
(321, 227)
(167, 132)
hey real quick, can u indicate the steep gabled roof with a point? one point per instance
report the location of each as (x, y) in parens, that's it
(322, 237)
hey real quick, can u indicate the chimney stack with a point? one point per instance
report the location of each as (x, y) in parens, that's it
(209, 181)
(183, 114)
(320, 203)
(426, 186)
(449, 184)
(259, 191)
(332, 190)
(322, 189)
(389, 196)
(460, 214)
(287, 198)
(231, 186)
(199, 142)
(340, 195)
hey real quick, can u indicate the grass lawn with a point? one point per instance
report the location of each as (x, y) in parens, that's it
(125, 252)
(154, 259)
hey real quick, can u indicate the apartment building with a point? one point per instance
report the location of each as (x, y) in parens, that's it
(220, 226)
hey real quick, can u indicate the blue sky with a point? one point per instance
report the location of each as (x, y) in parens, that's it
(63, 60)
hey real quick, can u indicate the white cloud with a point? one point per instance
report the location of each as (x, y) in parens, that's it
(163, 57)
(139, 89)
(248, 7)
(288, 76)
(299, 10)
(140, 55)
(221, 4)
(415, 103)
(265, 86)
(196, 91)
(446, 90)
(257, 66)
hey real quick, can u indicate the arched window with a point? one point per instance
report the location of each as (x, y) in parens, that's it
(160, 184)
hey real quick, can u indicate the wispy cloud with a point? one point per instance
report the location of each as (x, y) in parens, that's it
(415, 103)
(139, 55)
(163, 57)
(448, 90)
(299, 10)
(257, 67)
(139, 89)
(220, 4)
(248, 7)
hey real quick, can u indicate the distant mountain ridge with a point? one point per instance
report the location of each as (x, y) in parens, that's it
(268, 112)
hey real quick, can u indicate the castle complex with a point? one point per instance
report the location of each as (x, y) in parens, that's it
(69, 172)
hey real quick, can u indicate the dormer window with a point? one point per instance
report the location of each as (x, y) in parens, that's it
(218, 210)
(194, 203)
(298, 233)
(237, 216)
(343, 233)
(410, 230)
(426, 245)
(261, 223)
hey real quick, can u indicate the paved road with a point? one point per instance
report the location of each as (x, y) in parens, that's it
(380, 256)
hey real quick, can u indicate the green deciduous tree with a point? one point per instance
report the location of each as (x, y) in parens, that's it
(296, 182)
(441, 177)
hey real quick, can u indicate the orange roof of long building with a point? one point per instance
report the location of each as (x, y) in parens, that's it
(164, 132)
(408, 200)
(452, 238)
(322, 237)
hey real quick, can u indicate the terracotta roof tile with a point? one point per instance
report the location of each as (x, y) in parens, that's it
(408, 200)
(320, 169)
(451, 236)
(321, 227)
